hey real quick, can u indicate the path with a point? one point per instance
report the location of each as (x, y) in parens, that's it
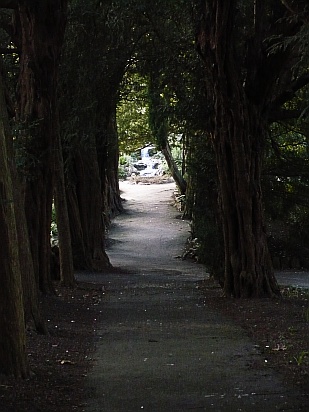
(297, 278)
(160, 349)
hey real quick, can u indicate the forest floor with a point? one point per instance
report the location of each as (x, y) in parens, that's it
(61, 360)
(280, 328)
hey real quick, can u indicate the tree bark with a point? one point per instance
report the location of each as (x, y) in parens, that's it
(13, 360)
(108, 158)
(175, 172)
(92, 174)
(239, 153)
(238, 134)
(63, 222)
(41, 29)
(30, 288)
(85, 205)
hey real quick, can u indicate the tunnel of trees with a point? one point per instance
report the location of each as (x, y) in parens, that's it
(228, 78)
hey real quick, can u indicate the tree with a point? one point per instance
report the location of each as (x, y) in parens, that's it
(249, 78)
(63, 221)
(32, 310)
(159, 121)
(286, 193)
(88, 119)
(13, 360)
(39, 35)
(83, 137)
(133, 113)
(160, 57)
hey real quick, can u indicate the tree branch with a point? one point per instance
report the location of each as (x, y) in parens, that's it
(295, 6)
(280, 115)
(287, 95)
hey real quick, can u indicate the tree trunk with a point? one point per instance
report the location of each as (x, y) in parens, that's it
(85, 207)
(30, 288)
(238, 132)
(32, 307)
(41, 27)
(13, 360)
(177, 176)
(108, 158)
(158, 121)
(63, 222)
(239, 153)
(114, 205)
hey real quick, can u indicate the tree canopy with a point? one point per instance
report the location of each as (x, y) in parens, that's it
(86, 82)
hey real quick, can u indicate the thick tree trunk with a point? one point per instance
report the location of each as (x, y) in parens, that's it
(32, 308)
(30, 288)
(41, 27)
(85, 207)
(13, 360)
(238, 133)
(239, 153)
(108, 158)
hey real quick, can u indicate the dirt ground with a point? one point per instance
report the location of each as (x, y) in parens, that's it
(279, 328)
(60, 361)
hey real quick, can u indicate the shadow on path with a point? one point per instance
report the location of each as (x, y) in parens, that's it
(159, 348)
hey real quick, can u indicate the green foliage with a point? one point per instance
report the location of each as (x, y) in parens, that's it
(286, 194)
(125, 161)
(132, 114)
(120, 46)
(100, 40)
(122, 174)
(202, 205)
(301, 358)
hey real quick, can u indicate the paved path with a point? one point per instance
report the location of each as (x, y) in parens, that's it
(298, 279)
(159, 348)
